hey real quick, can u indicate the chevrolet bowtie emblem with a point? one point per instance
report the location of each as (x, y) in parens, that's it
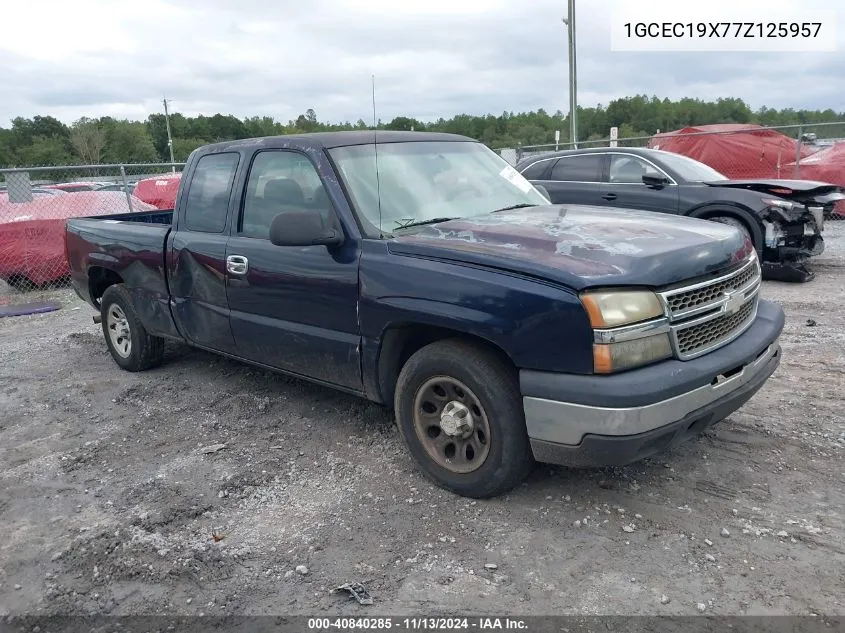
(733, 302)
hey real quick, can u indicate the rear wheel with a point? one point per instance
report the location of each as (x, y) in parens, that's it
(129, 343)
(459, 411)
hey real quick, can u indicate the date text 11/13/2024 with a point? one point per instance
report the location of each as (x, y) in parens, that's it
(416, 624)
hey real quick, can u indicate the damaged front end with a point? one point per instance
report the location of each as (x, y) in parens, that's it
(792, 233)
(793, 220)
(792, 230)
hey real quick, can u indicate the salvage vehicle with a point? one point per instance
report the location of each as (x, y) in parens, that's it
(159, 191)
(422, 272)
(782, 218)
(74, 187)
(32, 234)
(119, 186)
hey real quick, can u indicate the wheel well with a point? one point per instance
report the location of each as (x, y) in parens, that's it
(99, 279)
(400, 342)
(743, 216)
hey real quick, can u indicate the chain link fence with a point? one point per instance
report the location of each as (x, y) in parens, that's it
(766, 152)
(35, 203)
(738, 151)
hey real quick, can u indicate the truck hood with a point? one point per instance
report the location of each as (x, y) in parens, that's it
(804, 191)
(582, 246)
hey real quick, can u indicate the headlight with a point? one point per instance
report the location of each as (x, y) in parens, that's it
(614, 315)
(611, 309)
(612, 357)
(777, 202)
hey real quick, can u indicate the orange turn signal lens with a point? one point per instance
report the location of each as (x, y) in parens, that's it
(612, 357)
(602, 359)
(591, 305)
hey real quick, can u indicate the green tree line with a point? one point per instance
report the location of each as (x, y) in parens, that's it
(44, 140)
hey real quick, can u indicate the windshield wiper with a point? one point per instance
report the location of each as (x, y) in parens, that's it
(521, 205)
(404, 225)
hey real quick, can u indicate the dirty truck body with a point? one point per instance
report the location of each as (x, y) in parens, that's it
(429, 276)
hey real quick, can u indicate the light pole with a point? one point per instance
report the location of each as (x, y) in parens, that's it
(169, 136)
(569, 21)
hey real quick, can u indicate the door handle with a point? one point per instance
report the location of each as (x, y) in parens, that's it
(609, 196)
(237, 264)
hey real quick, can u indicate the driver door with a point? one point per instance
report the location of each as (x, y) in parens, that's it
(292, 308)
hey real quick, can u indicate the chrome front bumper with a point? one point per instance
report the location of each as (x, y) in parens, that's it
(568, 423)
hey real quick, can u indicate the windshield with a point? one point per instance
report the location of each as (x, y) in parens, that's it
(690, 169)
(425, 180)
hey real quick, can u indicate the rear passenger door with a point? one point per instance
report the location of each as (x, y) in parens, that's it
(294, 308)
(576, 179)
(196, 254)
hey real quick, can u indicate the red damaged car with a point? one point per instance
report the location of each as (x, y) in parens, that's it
(159, 191)
(75, 187)
(32, 234)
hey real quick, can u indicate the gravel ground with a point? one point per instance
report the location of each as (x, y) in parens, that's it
(109, 504)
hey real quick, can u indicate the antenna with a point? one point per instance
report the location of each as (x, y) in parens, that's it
(375, 153)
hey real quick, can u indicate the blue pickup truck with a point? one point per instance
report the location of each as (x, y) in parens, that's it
(421, 271)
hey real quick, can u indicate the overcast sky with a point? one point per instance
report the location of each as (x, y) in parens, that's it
(431, 58)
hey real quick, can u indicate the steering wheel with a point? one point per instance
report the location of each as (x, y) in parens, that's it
(461, 193)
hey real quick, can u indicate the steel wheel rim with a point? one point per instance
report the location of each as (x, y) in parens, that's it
(119, 333)
(451, 424)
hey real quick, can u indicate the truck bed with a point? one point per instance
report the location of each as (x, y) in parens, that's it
(146, 217)
(131, 247)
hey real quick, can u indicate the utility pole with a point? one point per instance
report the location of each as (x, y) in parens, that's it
(569, 21)
(169, 136)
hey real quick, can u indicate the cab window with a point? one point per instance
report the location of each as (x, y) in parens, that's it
(280, 180)
(209, 191)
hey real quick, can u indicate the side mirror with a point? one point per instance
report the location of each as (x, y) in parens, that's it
(302, 228)
(543, 191)
(655, 180)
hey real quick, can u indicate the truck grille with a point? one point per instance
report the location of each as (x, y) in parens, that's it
(714, 332)
(707, 315)
(683, 301)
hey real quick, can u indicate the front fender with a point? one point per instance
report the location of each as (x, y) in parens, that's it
(468, 319)
(746, 215)
(536, 324)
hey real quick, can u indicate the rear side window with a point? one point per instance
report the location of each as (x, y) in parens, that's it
(536, 171)
(208, 193)
(583, 168)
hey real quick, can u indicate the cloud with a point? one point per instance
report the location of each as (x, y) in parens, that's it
(431, 58)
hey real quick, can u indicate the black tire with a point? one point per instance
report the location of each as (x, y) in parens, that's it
(494, 386)
(143, 351)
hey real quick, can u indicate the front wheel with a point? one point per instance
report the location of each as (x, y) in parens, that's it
(459, 411)
(131, 347)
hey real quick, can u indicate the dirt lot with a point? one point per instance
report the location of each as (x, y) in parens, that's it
(108, 503)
